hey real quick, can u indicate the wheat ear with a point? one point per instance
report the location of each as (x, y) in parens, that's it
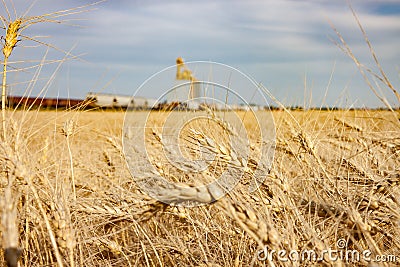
(9, 43)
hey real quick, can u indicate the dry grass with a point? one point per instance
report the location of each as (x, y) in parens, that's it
(335, 175)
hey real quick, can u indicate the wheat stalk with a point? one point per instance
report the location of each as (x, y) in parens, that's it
(262, 232)
(14, 29)
(68, 130)
(10, 42)
(64, 231)
(364, 70)
(9, 222)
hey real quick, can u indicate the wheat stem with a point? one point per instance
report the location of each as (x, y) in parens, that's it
(3, 98)
(72, 168)
(47, 223)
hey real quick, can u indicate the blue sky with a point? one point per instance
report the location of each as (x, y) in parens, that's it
(280, 43)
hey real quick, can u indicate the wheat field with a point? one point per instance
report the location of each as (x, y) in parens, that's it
(70, 200)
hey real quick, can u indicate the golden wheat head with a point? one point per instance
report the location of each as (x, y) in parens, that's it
(11, 37)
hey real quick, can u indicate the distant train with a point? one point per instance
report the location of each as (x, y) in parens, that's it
(45, 103)
(92, 101)
(114, 101)
(119, 101)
